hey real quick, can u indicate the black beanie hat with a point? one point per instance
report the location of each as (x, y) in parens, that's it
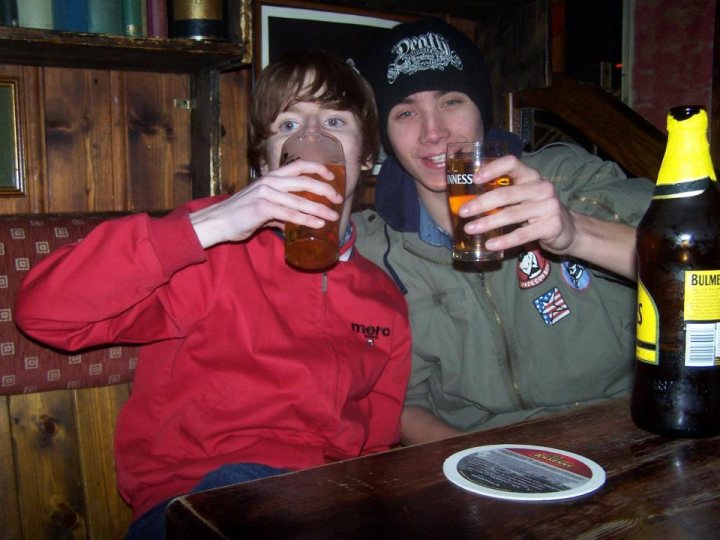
(421, 56)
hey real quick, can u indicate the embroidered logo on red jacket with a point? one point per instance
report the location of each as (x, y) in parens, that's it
(370, 332)
(532, 269)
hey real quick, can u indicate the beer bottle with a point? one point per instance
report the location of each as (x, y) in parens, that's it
(198, 19)
(677, 376)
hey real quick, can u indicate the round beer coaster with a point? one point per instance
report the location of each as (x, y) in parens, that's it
(523, 472)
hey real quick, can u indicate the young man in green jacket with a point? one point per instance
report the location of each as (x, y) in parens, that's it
(551, 326)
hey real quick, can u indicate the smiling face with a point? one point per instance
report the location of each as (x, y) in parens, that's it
(420, 128)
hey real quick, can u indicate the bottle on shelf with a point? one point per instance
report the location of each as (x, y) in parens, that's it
(198, 19)
(677, 380)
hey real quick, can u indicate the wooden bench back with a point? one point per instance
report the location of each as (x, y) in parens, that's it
(57, 410)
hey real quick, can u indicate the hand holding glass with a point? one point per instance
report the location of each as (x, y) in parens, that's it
(463, 161)
(305, 247)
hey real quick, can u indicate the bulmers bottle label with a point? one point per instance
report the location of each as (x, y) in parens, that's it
(646, 343)
(701, 316)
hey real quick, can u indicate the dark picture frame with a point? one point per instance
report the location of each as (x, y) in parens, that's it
(11, 164)
(284, 27)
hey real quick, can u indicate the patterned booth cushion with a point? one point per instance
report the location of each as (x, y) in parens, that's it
(25, 365)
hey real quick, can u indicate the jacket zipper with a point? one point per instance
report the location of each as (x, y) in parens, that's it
(508, 364)
(324, 283)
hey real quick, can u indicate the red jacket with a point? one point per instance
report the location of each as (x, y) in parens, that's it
(245, 359)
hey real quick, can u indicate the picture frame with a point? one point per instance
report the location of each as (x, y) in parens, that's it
(12, 182)
(283, 27)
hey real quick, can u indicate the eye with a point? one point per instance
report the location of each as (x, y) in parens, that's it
(287, 126)
(402, 114)
(452, 101)
(335, 122)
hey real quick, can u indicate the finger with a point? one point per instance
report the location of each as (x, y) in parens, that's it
(506, 196)
(527, 213)
(308, 202)
(301, 169)
(281, 216)
(541, 225)
(509, 166)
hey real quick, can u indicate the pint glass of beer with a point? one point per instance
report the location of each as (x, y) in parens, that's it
(462, 162)
(305, 247)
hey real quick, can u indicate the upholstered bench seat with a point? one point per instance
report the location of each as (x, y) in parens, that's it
(25, 365)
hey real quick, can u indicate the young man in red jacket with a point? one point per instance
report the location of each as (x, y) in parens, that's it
(248, 366)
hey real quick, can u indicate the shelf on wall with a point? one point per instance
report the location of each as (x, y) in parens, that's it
(31, 46)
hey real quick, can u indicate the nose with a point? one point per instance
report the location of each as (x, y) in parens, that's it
(312, 123)
(433, 129)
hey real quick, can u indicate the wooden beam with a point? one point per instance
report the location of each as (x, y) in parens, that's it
(625, 136)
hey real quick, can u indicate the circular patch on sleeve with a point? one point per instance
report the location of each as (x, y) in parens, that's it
(532, 269)
(575, 275)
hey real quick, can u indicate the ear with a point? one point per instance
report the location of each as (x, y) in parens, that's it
(367, 165)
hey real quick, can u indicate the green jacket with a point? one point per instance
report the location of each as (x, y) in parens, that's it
(535, 334)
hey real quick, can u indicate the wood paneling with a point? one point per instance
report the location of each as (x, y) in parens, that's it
(10, 528)
(235, 89)
(96, 411)
(158, 140)
(102, 140)
(78, 137)
(46, 458)
(50, 437)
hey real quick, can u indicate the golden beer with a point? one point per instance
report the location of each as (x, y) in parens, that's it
(460, 168)
(313, 249)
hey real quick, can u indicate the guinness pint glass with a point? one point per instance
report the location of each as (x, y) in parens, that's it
(462, 162)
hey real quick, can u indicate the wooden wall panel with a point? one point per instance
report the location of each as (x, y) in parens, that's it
(43, 432)
(118, 113)
(158, 135)
(98, 140)
(46, 459)
(235, 89)
(78, 135)
(96, 412)
(9, 516)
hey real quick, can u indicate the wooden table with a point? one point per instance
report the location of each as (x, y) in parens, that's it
(656, 488)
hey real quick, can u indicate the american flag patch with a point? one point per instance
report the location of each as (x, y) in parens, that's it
(551, 306)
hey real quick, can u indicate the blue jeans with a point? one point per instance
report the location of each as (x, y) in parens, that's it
(151, 525)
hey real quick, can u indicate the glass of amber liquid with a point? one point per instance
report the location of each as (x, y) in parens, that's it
(305, 247)
(463, 160)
